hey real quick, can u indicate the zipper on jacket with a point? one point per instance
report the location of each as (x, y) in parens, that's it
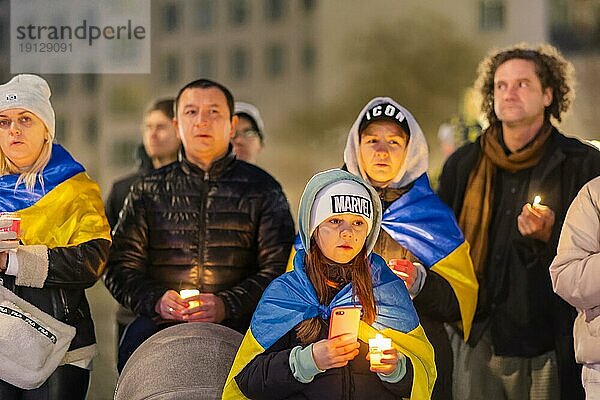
(345, 382)
(64, 304)
(202, 229)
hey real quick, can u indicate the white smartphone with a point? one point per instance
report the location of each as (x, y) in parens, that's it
(344, 320)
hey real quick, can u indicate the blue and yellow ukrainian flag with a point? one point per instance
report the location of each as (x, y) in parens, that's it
(66, 211)
(420, 222)
(291, 298)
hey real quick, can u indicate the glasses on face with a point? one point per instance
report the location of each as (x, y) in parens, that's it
(248, 133)
(23, 121)
(158, 127)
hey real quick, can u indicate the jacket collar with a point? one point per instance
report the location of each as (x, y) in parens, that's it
(216, 169)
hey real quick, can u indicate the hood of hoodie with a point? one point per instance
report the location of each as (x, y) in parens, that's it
(318, 182)
(417, 154)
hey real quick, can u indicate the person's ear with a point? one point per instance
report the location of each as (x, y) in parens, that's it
(234, 121)
(176, 126)
(548, 96)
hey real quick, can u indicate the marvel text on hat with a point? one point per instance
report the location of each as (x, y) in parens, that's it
(346, 203)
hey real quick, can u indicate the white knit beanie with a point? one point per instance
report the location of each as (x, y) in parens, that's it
(342, 197)
(31, 93)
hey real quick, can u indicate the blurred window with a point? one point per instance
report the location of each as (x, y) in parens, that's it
(239, 12)
(4, 39)
(274, 60)
(491, 15)
(170, 68)
(575, 25)
(90, 82)
(274, 10)
(60, 135)
(170, 17)
(308, 57)
(59, 83)
(205, 15)
(239, 67)
(309, 5)
(91, 129)
(206, 64)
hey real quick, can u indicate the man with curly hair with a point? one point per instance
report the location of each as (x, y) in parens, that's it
(521, 344)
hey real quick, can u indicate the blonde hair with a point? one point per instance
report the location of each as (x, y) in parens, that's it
(30, 174)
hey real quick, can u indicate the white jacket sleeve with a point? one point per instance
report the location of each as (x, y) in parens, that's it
(575, 271)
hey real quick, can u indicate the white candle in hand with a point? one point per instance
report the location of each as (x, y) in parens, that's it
(185, 293)
(376, 347)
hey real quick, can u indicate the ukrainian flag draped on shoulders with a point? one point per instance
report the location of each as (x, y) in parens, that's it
(66, 210)
(418, 220)
(291, 298)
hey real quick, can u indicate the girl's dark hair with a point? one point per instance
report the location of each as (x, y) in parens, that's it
(551, 68)
(362, 287)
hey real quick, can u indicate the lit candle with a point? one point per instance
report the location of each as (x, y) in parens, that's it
(537, 200)
(376, 347)
(185, 293)
(15, 219)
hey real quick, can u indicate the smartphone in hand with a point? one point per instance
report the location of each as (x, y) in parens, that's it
(344, 320)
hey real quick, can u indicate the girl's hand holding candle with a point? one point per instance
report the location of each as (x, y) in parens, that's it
(377, 346)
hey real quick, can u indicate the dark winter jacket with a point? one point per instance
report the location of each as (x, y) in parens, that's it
(354, 381)
(226, 231)
(120, 188)
(515, 297)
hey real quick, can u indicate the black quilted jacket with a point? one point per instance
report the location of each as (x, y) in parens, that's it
(226, 231)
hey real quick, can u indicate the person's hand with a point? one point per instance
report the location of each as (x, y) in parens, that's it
(171, 305)
(389, 362)
(210, 309)
(405, 270)
(3, 261)
(8, 239)
(536, 222)
(335, 352)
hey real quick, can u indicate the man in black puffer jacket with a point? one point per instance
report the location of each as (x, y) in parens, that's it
(208, 222)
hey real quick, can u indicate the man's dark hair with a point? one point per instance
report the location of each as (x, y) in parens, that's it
(164, 105)
(551, 68)
(205, 84)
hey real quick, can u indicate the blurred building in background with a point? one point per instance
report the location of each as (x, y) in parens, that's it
(293, 57)
(287, 56)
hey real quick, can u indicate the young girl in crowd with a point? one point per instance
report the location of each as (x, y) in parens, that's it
(286, 353)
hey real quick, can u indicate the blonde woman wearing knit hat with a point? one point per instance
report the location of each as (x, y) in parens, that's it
(286, 353)
(60, 251)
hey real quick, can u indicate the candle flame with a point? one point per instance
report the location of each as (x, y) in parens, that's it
(537, 200)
